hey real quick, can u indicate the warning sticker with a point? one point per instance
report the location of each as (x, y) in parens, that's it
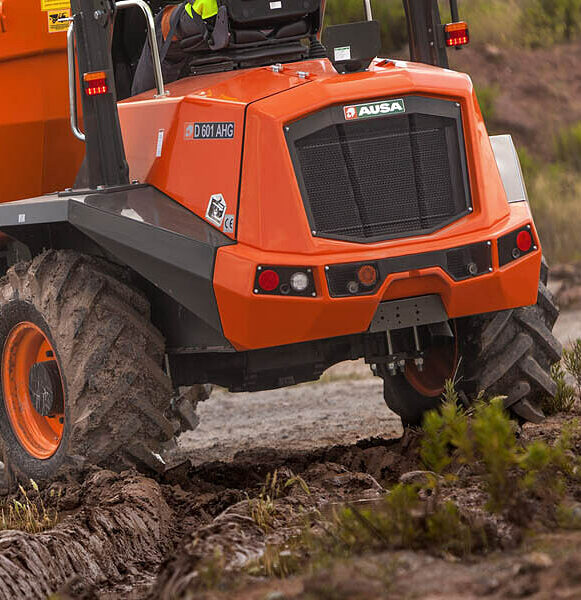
(54, 18)
(55, 5)
(216, 210)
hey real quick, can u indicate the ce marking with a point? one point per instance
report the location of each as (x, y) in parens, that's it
(229, 224)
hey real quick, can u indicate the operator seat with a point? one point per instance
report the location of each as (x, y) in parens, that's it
(257, 32)
(261, 32)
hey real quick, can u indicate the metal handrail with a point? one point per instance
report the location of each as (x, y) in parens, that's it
(73, 84)
(152, 38)
(368, 11)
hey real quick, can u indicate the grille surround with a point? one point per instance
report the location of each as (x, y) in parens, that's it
(417, 181)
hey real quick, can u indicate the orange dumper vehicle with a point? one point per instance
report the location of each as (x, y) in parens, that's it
(288, 201)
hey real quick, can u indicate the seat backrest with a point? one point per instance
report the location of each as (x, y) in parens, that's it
(268, 13)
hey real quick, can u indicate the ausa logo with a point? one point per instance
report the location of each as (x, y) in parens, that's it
(374, 109)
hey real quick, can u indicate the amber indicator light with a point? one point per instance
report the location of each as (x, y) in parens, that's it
(367, 275)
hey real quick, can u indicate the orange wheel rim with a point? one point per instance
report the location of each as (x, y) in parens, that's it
(440, 364)
(26, 351)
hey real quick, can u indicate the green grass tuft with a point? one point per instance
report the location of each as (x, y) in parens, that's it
(488, 437)
(29, 512)
(566, 396)
(568, 146)
(572, 362)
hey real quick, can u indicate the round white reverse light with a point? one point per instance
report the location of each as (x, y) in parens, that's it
(299, 282)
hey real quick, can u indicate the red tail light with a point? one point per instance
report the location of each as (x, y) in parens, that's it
(524, 241)
(96, 83)
(516, 244)
(285, 281)
(457, 34)
(268, 280)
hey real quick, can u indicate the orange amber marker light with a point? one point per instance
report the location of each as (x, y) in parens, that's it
(367, 275)
(457, 34)
(96, 83)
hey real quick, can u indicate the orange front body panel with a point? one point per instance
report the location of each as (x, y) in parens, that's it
(38, 153)
(255, 174)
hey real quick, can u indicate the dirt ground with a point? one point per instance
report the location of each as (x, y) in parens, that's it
(345, 407)
(129, 536)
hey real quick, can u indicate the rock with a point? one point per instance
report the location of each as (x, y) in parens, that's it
(418, 477)
(538, 561)
(276, 595)
(485, 586)
(338, 481)
(493, 53)
(569, 296)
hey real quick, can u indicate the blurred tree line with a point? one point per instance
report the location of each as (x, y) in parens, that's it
(552, 21)
(525, 23)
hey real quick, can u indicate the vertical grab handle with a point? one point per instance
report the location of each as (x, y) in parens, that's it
(73, 84)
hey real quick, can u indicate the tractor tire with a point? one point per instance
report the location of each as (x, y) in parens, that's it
(508, 353)
(82, 381)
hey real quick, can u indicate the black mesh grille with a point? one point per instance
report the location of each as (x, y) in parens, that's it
(382, 177)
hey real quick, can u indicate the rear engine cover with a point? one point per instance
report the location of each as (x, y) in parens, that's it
(369, 176)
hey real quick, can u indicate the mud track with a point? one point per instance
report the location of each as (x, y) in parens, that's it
(118, 524)
(118, 529)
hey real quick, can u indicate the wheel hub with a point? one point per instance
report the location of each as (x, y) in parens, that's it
(46, 390)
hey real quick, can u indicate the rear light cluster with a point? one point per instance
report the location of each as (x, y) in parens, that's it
(356, 279)
(516, 244)
(457, 34)
(285, 281)
(96, 83)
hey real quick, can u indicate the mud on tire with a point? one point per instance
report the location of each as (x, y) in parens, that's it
(510, 353)
(109, 355)
(507, 353)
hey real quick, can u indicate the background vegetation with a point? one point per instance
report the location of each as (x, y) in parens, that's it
(523, 23)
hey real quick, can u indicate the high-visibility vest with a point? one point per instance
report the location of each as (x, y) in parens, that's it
(205, 8)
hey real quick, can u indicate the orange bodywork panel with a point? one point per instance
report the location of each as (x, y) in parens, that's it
(38, 152)
(194, 162)
(253, 171)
